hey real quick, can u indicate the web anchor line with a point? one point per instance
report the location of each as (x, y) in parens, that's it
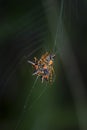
(59, 23)
(25, 106)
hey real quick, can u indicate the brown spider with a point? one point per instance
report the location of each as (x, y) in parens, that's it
(44, 67)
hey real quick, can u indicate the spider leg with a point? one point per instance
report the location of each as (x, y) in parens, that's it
(35, 59)
(31, 62)
(35, 73)
(42, 79)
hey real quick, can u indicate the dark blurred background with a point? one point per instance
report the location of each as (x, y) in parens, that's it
(29, 29)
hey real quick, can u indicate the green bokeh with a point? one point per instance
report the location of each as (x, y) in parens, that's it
(49, 109)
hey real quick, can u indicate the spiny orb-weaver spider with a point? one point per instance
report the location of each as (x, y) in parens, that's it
(44, 67)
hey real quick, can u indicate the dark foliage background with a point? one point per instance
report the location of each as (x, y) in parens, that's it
(28, 29)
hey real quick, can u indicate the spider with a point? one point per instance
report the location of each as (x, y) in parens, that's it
(44, 67)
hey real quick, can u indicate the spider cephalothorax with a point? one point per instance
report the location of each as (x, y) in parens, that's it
(44, 67)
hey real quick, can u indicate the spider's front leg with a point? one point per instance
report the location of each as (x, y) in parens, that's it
(35, 60)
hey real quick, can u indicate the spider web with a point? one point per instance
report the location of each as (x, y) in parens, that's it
(44, 89)
(26, 106)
